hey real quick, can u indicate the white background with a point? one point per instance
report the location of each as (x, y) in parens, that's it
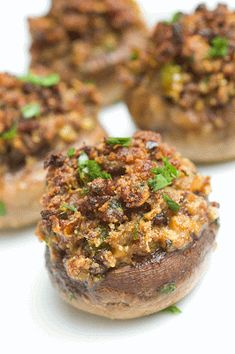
(32, 317)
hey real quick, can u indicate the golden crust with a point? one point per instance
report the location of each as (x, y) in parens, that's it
(103, 223)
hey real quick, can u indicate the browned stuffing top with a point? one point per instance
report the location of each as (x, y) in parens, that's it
(108, 205)
(75, 31)
(88, 16)
(195, 55)
(36, 119)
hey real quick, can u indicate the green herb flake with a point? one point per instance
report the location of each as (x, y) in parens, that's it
(134, 55)
(109, 46)
(219, 47)
(158, 182)
(9, 134)
(69, 207)
(171, 203)
(164, 176)
(31, 110)
(174, 19)
(3, 210)
(90, 169)
(84, 191)
(71, 152)
(47, 240)
(44, 81)
(168, 288)
(125, 142)
(136, 232)
(103, 232)
(72, 297)
(172, 309)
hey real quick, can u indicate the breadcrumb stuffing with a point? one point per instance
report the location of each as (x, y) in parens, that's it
(120, 217)
(35, 119)
(194, 54)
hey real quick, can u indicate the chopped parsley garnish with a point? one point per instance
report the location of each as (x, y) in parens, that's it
(172, 309)
(72, 297)
(134, 55)
(219, 47)
(136, 232)
(109, 46)
(175, 18)
(71, 152)
(103, 232)
(164, 176)
(90, 169)
(171, 203)
(9, 134)
(69, 207)
(168, 288)
(31, 110)
(158, 182)
(119, 141)
(44, 81)
(84, 191)
(3, 210)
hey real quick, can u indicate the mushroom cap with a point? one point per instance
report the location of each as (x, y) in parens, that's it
(151, 111)
(150, 286)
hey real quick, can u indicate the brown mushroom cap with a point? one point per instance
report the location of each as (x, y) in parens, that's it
(205, 145)
(135, 291)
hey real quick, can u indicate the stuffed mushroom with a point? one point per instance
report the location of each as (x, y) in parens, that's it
(38, 115)
(127, 225)
(91, 40)
(186, 89)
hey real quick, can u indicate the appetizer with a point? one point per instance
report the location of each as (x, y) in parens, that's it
(186, 89)
(127, 225)
(38, 115)
(91, 40)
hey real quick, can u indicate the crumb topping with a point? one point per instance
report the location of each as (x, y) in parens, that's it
(38, 116)
(75, 32)
(107, 205)
(194, 55)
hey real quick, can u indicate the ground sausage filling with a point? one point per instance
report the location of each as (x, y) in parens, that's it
(107, 205)
(39, 114)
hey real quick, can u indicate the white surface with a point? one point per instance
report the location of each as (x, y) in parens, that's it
(32, 317)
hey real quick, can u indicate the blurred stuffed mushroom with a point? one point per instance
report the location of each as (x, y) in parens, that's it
(38, 115)
(90, 40)
(186, 88)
